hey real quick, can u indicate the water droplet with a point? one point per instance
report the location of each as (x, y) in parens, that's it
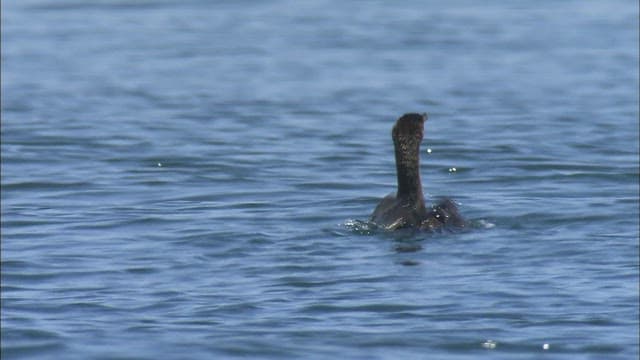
(545, 346)
(453, 169)
(159, 164)
(429, 150)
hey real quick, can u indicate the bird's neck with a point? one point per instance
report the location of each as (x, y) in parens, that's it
(408, 170)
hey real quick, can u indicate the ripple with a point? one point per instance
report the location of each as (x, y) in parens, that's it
(374, 308)
(20, 342)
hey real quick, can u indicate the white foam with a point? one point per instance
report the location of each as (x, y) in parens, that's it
(485, 224)
(489, 344)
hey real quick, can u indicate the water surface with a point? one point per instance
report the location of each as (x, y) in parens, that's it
(192, 179)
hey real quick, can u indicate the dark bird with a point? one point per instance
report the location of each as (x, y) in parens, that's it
(406, 208)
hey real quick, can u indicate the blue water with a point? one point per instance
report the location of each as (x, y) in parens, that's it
(191, 179)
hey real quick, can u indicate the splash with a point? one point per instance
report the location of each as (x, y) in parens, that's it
(360, 227)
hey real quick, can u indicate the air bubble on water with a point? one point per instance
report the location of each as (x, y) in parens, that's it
(453, 169)
(429, 150)
(159, 164)
(545, 346)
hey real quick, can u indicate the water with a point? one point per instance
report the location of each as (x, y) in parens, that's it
(192, 179)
